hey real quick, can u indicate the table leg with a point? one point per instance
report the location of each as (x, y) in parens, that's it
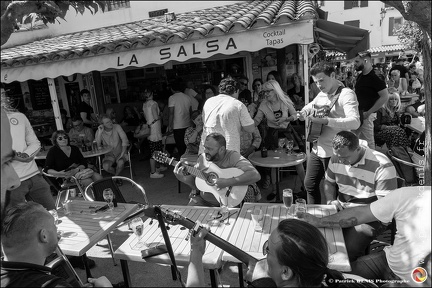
(240, 273)
(86, 266)
(213, 278)
(100, 164)
(178, 186)
(277, 185)
(125, 271)
(173, 273)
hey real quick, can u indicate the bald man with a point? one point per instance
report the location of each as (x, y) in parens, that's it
(28, 237)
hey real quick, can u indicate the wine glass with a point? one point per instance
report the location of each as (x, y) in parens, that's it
(290, 146)
(281, 143)
(287, 195)
(137, 226)
(108, 196)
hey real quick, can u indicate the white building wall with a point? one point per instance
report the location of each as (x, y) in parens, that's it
(138, 10)
(369, 18)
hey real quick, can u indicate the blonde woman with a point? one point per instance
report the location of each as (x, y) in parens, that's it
(387, 125)
(398, 82)
(279, 111)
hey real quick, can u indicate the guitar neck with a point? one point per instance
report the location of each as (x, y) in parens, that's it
(224, 245)
(190, 169)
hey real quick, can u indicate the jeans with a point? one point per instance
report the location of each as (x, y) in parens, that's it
(358, 238)
(366, 131)
(315, 170)
(373, 266)
(179, 140)
(35, 189)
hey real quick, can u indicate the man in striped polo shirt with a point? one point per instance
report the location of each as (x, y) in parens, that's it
(356, 176)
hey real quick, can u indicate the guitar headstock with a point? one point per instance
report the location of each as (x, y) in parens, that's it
(160, 157)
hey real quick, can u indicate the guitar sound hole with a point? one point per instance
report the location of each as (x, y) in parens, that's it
(211, 178)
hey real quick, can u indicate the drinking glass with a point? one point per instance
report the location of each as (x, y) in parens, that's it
(281, 143)
(300, 208)
(54, 213)
(137, 226)
(257, 219)
(290, 146)
(66, 203)
(108, 196)
(287, 199)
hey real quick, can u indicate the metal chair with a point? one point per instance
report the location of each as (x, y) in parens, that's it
(68, 183)
(128, 162)
(94, 192)
(409, 175)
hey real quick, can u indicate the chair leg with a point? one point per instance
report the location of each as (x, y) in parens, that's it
(111, 249)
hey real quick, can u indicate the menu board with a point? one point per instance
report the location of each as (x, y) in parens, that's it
(39, 94)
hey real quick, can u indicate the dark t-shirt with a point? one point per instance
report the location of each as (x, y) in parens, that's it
(245, 96)
(56, 159)
(84, 107)
(18, 274)
(401, 68)
(367, 88)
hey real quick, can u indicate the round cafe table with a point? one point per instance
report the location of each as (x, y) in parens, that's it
(88, 154)
(279, 160)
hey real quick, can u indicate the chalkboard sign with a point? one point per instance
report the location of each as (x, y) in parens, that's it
(39, 94)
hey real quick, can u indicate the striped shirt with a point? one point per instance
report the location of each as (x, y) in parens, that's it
(373, 175)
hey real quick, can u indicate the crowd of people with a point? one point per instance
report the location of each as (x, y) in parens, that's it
(222, 127)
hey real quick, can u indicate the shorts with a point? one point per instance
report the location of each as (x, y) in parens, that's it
(155, 146)
(112, 158)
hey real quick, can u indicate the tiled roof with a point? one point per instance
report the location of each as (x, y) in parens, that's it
(387, 48)
(156, 31)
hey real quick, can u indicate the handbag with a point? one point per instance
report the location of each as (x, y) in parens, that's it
(143, 132)
(84, 174)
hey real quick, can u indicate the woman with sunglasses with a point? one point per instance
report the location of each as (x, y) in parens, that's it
(296, 256)
(65, 160)
(387, 127)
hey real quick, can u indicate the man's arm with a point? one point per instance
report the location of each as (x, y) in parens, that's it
(349, 217)
(246, 120)
(182, 175)
(32, 142)
(250, 176)
(84, 118)
(124, 139)
(196, 269)
(378, 104)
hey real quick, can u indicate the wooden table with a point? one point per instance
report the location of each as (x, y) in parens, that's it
(91, 228)
(246, 238)
(278, 160)
(212, 258)
(407, 100)
(88, 154)
(417, 124)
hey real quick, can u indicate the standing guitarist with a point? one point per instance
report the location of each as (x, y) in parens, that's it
(215, 152)
(337, 115)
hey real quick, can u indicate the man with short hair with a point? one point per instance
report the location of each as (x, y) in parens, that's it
(216, 153)
(85, 110)
(404, 73)
(356, 175)
(245, 94)
(180, 107)
(371, 94)
(410, 207)
(79, 132)
(342, 116)
(226, 115)
(28, 237)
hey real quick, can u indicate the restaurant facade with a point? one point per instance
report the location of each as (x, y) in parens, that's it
(115, 63)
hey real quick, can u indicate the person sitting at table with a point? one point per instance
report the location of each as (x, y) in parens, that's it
(112, 135)
(215, 152)
(110, 112)
(79, 132)
(387, 124)
(417, 109)
(410, 207)
(398, 82)
(65, 160)
(28, 237)
(130, 116)
(193, 134)
(357, 175)
(296, 256)
(66, 121)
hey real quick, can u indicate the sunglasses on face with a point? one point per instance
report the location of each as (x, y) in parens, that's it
(265, 248)
(394, 75)
(243, 83)
(60, 138)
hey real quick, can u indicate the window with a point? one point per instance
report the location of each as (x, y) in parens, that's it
(351, 4)
(157, 13)
(116, 5)
(394, 24)
(354, 23)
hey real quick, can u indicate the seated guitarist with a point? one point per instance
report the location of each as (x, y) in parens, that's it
(215, 152)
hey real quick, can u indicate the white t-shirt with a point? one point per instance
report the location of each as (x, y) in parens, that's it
(155, 128)
(411, 208)
(182, 104)
(225, 115)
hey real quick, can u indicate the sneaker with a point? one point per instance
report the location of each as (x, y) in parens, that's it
(161, 169)
(156, 175)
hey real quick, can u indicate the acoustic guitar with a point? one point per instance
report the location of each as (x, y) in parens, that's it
(205, 180)
(314, 129)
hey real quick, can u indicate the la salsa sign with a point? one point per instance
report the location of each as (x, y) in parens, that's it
(250, 40)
